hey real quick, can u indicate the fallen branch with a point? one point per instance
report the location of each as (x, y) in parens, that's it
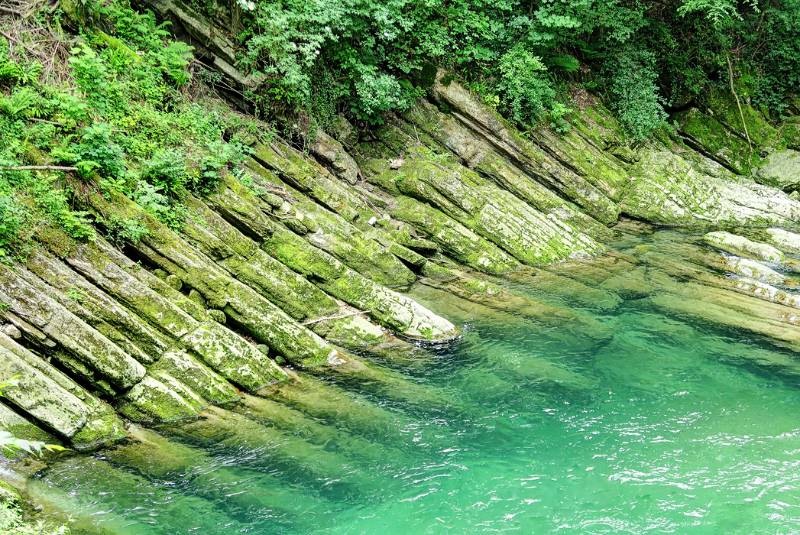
(12, 39)
(335, 317)
(39, 120)
(37, 168)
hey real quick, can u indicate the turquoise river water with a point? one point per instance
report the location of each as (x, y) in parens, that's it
(619, 417)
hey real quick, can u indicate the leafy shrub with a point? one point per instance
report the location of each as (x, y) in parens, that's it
(96, 80)
(121, 230)
(166, 210)
(378, 93)
(53, 202)
(12, 218)
(120, 119)
(365, 58)
(166, 172)
(524, 85)
(97, 151)
(634, 93)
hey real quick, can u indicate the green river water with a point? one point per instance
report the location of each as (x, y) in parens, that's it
(619, 418)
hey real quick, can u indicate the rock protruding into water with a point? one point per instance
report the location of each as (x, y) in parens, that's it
(784, 240)
(751, 269)
(53, 327)
(740, 245)
(50, 398)
(308, 257)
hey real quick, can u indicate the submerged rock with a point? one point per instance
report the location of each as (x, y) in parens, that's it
(754, 270)
(767, 292)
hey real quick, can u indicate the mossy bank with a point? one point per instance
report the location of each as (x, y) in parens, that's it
(269, 268)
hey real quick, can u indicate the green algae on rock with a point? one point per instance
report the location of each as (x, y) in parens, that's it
(302, 256)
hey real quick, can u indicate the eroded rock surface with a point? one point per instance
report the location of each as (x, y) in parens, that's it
(307, 260)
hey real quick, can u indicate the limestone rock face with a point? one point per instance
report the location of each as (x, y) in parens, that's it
(532, 158)
(669, 189)
(784, 240)
(310, 255)
(33, 311)
(709, 135)
(47, 396)
(492, 212)
(754, 270)
(781, 170)
(333, 154)
(38, 395)
(735, 244)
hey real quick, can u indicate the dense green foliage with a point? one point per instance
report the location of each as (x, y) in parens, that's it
(364, 57)
(125, 113)
(123, 105)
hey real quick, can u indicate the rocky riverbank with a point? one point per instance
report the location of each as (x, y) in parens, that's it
(300, 271)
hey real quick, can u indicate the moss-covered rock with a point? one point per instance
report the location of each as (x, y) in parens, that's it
(46, 395)
(394, 310)
(730, 309)
(479, 155)
(767, 292)
(359, 247)
(31, 309)
(781, 170)
(670, 187)
(20, 427)
(100, 310)
(753, 270)
(194, 374)
(743, 119)
(711, 137)
(333, 154)
(39, 396)
(243, 258)
(387, 307)
(160, 399)
(312, 179)
(784, 240)
(529, 156)
(494, 213)
(247, 308)
(232, 356)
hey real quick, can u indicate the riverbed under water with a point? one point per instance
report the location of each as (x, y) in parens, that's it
(619, 417)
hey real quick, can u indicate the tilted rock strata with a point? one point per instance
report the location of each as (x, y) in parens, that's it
(307, 262)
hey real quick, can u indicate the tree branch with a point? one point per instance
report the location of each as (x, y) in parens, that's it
(738, 102)
(37, 168)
